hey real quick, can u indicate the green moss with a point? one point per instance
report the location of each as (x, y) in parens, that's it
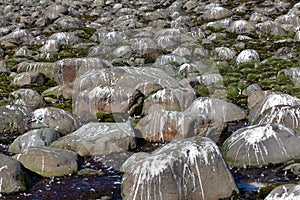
(202, 91)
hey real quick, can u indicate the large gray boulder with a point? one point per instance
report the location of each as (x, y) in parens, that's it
(287, 191)
(13, 178)
(49, 162)
(247, 55)
(261, 145)
(99, 139)
(183, 169)
(34, 138)
(51, 117)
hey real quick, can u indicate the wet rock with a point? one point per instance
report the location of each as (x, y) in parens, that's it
(12, 175)
(49, 162)
(287, 191)
(99, 139)
(29, 78)
(183, 169)
(27, 97)
(247, 55)
(260, 145)
(34, 138)
(55, 118)
(12, 118)
(66, 70)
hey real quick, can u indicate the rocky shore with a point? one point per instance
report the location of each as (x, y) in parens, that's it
(149, 99)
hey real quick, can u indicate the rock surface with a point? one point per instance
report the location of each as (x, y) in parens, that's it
(34, 138)
(183, 169)
(260, 145)
(49, 162)
(12, 176)
(99, 139)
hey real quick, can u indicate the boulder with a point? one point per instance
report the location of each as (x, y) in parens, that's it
(247, 55)
(29, 78)
(12, 118)
(34, 138)
(49, 162)
(161, 125)
(216, 12)
(51, 117)
(27, 97)
(46, 68)
(241, 26)
(177, 99)
(61, 91)
(68, 69)
(282, 192)
(261, 101)
(216, 107)
(99, 139)
(13, 177)
(270, 28)
(4, 66)
(261, 145)
(110, 90)
(286, 115)
(182, 169)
